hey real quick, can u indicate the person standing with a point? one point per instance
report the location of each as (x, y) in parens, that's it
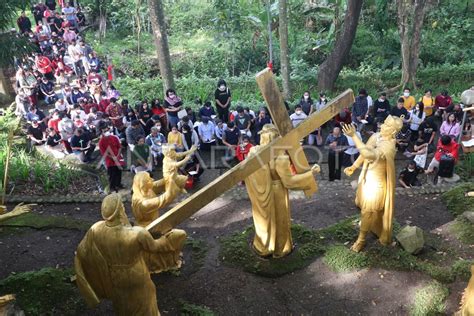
(111, 151)
(360, 109)
(306, 103)
(408, 100)
(173, 105)
(337, 143)
(223, 98)
(428, 102)
(24, 23)
(417, 116)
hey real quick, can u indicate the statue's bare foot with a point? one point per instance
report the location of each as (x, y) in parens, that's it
(358, 245)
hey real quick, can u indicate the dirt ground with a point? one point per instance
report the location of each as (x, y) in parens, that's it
(312, 290)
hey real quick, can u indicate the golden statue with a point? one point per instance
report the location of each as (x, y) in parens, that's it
(146, 203)
(467, 302)
(110, 262)
(18, 210)
(268, 192)
(376, 188)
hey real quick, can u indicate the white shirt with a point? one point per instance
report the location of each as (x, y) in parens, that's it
(296, 119)
(415, 121)
(220, 131)
(206, 131)
(352, 149)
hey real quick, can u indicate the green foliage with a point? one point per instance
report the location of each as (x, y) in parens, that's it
(462, 269)
(341, 259)
(199, 251)
(37, 221)
(47, 291)
(463, 230)
(194, 310)
(455, 200)
(430, 300)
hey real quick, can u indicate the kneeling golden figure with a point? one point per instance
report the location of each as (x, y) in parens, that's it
(376, 188)
(110, 262)
(268, 191)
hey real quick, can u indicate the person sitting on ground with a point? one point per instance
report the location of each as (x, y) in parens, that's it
(403, 138)
(115, 113)
(193, 168)
(450, 127)
(35, 114)
(47, 89)
(442, 102)
(155, 141)
(408, 100)
(141, 157)
(153, 121)
(400, 111)
(231, 139)
(206, 134)
(219, 130)
(408, 176)
(173, 105)
(417, 116)
(55, 143)
(190, 113)
(185, 120)
(242, 151)
(360, 110)
(190, 137)
(82, 145)
(445, 147)
(133, 133)
(144, 114)
(298, 116)
(207, 110)
(343, 117)
(78, 111)
(381, 110)
(176, 138)
(428, 102)
(36, 133)
(262, 119)
(428, 131)
(242, 121)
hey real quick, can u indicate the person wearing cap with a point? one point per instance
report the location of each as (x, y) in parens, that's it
(82, 145)
(123, 276)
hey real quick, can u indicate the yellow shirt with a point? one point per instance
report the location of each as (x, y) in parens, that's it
(176, 139)
(428, 103)
(409, 102)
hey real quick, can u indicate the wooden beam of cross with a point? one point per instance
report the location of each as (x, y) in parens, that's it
(229, 179)
(280, 118)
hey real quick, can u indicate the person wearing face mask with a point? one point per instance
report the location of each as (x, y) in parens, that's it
(219, 130)
(111, 151)
(173, 105)
(298, 116)
(36, 134)
(408, 176)
(207, 110)
(428, 102)
(336, 143)
(223, 98)
(306, 103)
(156, 140)
(408, 100)
(321, 103)
(381, 110)
(206, 134)
(417, 116)
(231, 139)
(243, 149)
(190, 137)
(442, 102)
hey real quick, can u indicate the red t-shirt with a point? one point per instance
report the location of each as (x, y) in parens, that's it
(109, 147)
(158, 111)
(242, 153)
(103, 104)
(52, 123)
(88, 106)
(443, 102)
(452, 149)
(44, 65)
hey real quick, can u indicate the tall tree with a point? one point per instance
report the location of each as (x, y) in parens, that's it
(411, 14)
(284, 55)
(330, 68)
(157, 18)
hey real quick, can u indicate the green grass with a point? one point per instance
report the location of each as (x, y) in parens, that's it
(45, 292)
(188, 309)
(430, 300)
(37, 221)
(463, 229)
(341, 259)
(198, 251)
(455, 200)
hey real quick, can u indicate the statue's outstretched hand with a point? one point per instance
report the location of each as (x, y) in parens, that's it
(316, 168)
(349, 171)
(193, 148)
(21, 209)
(348, 129)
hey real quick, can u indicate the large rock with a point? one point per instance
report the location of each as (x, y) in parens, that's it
(469, 215)
(411, 238)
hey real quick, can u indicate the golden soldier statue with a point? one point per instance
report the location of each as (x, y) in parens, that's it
(376, 187)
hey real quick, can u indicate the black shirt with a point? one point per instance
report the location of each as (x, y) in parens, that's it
(399, 112)
(427, 129)
(80, 141)
(222, 96)
(232, 137)
(53, 140)
(169, 106)
(37, 132)
(381, 109)
(242, 122)
(410, 177)
(47, 87)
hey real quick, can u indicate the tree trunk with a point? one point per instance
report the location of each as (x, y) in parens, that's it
(411, 14)
(157, 18)
(284, 58)
(6, 89)
(330, 68)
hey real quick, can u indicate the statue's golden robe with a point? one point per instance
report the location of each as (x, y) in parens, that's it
(268, 192)
(110, 264)
(467, 304)
(376, 187)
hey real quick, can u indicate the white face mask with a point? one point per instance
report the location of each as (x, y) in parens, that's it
(222, 87)
(411, 170)
(406, 94)
(381, 100)
(107, 134)
(306, 97)
(298, 112)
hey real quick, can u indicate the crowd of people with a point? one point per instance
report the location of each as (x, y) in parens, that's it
(67, 97)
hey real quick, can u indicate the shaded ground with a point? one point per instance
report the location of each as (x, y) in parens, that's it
(205, 281)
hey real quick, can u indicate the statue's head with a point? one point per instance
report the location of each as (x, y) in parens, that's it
(268, 133)
(112, 208)
(142, 182)
(391, 126)
(169, 150)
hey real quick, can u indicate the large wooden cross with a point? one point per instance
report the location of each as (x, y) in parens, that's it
(289, 139)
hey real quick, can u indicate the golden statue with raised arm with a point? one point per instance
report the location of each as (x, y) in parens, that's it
(376, 188)
(268, 192)
(110, 262)
(467, 301)
(146, 201)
